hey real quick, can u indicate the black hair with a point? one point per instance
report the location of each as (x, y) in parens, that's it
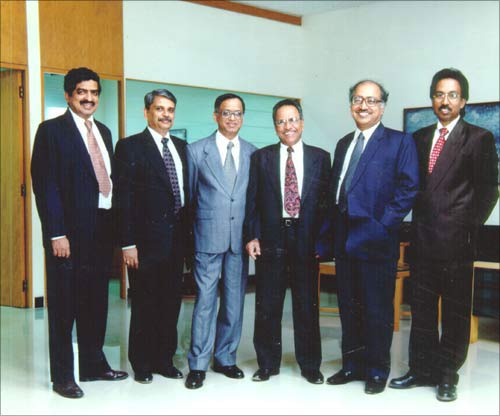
(228, 96)
(285, 102)
(77, 75)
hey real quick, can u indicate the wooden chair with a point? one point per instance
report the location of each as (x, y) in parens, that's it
(403, 271)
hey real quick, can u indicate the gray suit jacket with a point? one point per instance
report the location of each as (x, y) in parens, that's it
(217, 211)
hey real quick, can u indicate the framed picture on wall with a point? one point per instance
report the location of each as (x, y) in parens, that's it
(180, 133)
(486, 115)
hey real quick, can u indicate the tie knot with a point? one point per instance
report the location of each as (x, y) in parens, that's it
(88, 124)
(230, 145)
(443, 131)
(361, 137)
(164, 141)
(289, 150)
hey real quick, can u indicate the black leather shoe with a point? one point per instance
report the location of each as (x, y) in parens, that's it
(195, 379)
(70, 390)
(143, 377)
(231, 371)
(263, 374)
(447, 392)
(169, 372)
(343, 377)
(108, 375)
(410, 380)
(375, 385)
(313, 376)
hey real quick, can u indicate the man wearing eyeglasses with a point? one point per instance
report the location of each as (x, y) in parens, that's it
(218, 177)
(374, 183)
(286, 202)
(458, 190)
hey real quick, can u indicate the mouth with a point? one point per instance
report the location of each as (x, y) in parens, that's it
(445, 109)
(87, 104)
(165, 120)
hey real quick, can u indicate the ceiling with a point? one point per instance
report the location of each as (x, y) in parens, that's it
(305, 7)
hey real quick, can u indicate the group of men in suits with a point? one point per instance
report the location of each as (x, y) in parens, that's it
(216, 201)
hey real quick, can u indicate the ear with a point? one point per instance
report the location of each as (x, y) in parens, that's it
(215, 117)
(146, 113)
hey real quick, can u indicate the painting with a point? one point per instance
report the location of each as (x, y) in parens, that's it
(180, 133)
(486, 115)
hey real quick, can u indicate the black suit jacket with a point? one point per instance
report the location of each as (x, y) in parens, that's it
(144, 197)
(264, 201)
(65, 186)
(458, 196)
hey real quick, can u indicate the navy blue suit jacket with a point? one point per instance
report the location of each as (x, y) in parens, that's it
(65, 186)
(381, 194)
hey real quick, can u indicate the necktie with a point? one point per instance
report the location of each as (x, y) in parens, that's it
(97, 161)
(436, 150)
(229, 166)
(172, 174)
(292, 198)
(356, 154)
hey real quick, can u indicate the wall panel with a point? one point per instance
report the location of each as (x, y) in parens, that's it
(13, 49)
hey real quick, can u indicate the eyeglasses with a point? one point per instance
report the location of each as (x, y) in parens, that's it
(452, 95)
(370, 101)
(228, 114)
(292, 120)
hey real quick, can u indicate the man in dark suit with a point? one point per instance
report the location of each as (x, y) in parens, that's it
(374, 183)
(151, 182)
(70, 169)
(458, 190)
(286, 201)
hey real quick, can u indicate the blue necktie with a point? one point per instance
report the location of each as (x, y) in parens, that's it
(356, 154)
(172, 174)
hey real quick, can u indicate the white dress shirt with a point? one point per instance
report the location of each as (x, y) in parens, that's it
(221, 141)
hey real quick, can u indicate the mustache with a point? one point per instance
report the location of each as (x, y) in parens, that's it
(445, 107)
(165, 119)
(87, 102)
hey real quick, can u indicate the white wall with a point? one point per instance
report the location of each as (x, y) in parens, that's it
(184, 43)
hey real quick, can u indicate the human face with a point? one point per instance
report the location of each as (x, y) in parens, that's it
(160, 115)
(446, 108)
(289, 132)
(229, 125)
(366, 116)
(84, 99)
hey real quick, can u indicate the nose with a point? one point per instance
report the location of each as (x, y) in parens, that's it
(445, 99)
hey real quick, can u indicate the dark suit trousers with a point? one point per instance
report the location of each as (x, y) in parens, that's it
(156, 294)
(365, 296)
(430, 353)
(77, 290)
(274, 267)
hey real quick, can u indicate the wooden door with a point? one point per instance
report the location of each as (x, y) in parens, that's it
(12, 191)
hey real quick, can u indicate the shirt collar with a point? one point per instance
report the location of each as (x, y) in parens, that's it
(450, 126)
(223, 140)
(367, 133)
(297, 147)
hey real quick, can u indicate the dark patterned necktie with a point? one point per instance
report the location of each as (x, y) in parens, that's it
(356, 154)
(97, 161)
(292, 197)
(230, 166)
(436, 150)
(172, 174)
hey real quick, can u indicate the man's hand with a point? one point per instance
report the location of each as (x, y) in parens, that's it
(253, 249)
(60, 247)
(131, 257)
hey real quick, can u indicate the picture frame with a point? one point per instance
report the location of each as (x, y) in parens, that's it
(485, 114)
(180, 133)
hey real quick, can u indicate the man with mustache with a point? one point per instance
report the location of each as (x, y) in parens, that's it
(151, 194)
(218, 179)
(70, 169)
(374, 183)
(458, 190)
(286, 204)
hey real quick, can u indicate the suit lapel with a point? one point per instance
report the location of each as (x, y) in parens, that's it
(214, 163)
(370, 149)
(311, 166)
(273, 168)
(154, 158)
(77, 139)
(244, 164)
(448, 155)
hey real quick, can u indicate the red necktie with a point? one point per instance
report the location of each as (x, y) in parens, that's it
(436, 150)
(97, 161)
(292, 198)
